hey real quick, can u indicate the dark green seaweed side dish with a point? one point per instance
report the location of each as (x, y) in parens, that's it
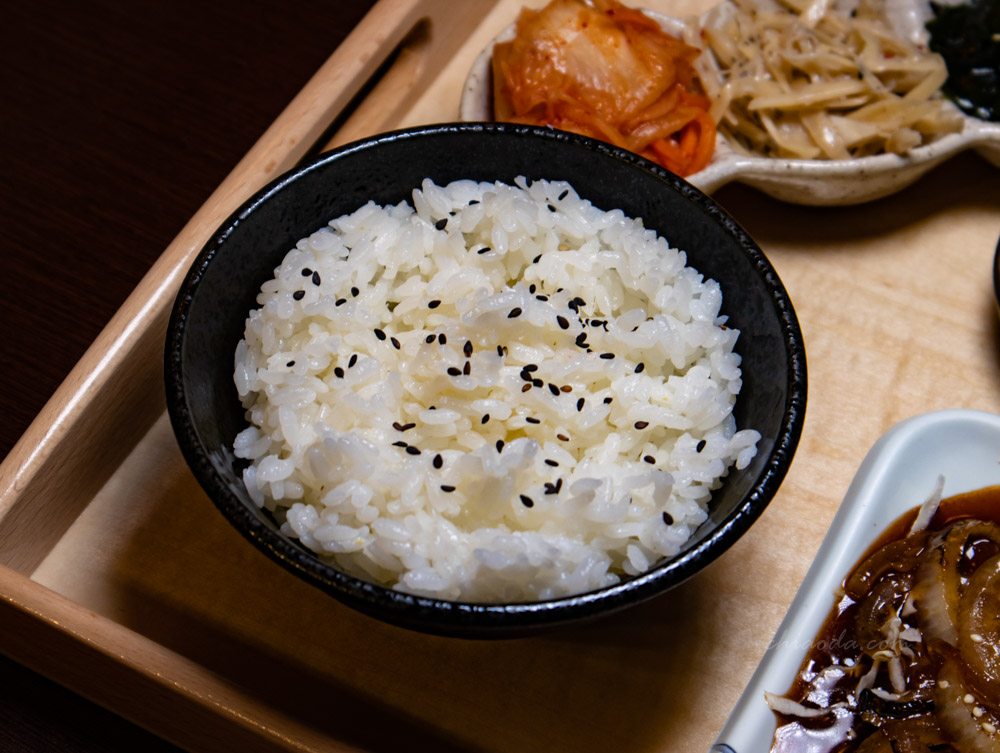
(968, 38)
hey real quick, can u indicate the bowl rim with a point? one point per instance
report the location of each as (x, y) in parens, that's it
(996, 276)
(485, 619)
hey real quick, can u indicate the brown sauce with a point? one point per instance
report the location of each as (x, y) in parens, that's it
(890, 583)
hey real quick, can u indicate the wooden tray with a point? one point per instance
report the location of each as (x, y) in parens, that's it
(120, 580)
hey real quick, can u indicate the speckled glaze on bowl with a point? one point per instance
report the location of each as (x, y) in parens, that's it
(797, 181)
(220, 288)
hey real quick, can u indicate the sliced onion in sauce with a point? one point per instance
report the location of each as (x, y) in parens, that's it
(979, 633)
(904, 736)
(900, 556)
(875, 611)
(956, 706)
(940, 576)
(932, 604)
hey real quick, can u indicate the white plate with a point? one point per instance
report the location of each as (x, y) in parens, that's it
(813, 182)
(898, 474)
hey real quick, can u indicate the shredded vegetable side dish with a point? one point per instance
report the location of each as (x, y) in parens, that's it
(608, 72)
(800, 81)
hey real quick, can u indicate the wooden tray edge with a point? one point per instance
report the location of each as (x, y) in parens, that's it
(77, 432)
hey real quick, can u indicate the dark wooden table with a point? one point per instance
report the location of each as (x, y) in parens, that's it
(118, 121)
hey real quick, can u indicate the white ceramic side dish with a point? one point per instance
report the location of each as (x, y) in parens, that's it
(899, 473)
(811, 182)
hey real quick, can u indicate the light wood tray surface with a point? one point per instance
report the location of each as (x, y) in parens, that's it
(119, 579)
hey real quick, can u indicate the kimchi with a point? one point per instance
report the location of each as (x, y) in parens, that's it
(608, 72)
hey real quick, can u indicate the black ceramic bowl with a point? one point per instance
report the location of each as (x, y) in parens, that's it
(221, 286)
(996, 276)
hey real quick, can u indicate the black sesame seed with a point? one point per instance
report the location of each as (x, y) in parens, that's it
(397, 426)
(553, 463)
(558, 485)
(438, 460)
(668, 518)
(413, 450)
(525, 388)
(538, 382)
(553, 389)
(581, 340)
(441, 224)
(650, 459)
(484, 250)
(354, 360)
(607, 400)
(485, 418)
(641, 424)
(700, 446)
(380, 334)
(433, 304)
(514, 313)
(579, 301)
(429, 339)
(551, 208)
(442, 338)
(579, 404)
(527, 501)
(473, 201)
(298, 295)
(290, 364)
(467, 369)
(339, 372)
(395, 343)
(447, 488)
(562, 437)
(316, 278)
(536, 259)
(566, 388)
(607, 356)
(400, 444)
(500, 350)
(355, 292)
(452, 371)
(542, 297)
(526, 376)
(573, 304)
(306, 271)
(531, 367)
(639, 367)
(561, 321)
(499, 445)
(532, 420)
(407, 427)
(467, 348)
(563, 195)
(340, 302)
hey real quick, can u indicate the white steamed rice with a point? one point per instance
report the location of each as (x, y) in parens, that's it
(499, 393)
